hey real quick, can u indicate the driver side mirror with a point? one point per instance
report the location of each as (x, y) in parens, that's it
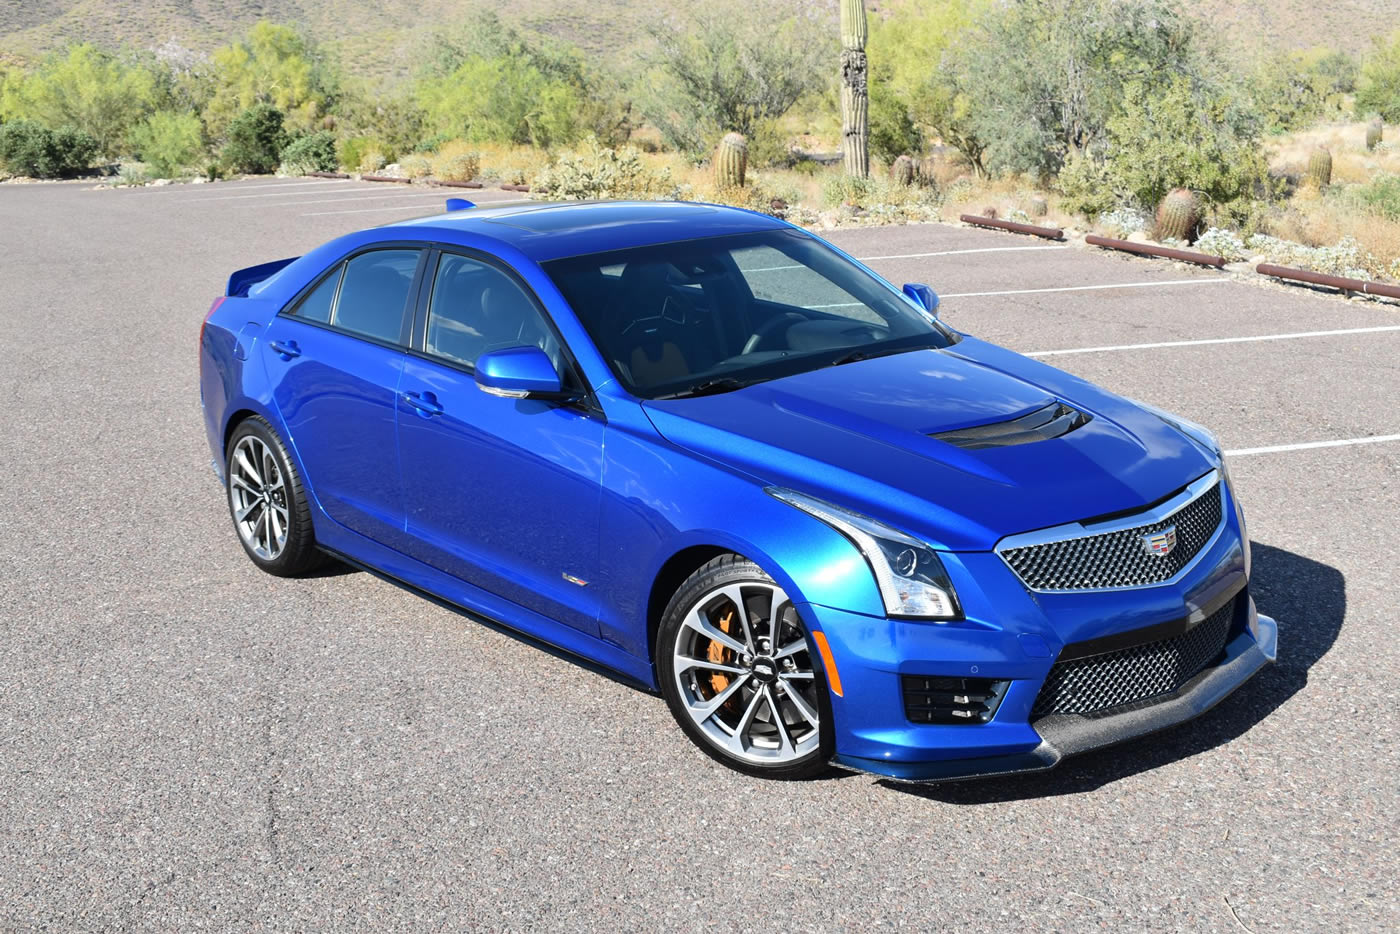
(520, 373)
(925, 297)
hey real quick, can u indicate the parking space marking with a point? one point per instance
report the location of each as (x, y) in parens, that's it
(280, 194)
(1310, 445)
(202, 189)
(1215, 340)
(406, 207)
(361, 195)
(987, 249)
(1092, 288)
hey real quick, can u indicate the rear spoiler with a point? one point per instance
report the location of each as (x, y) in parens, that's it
(240, 282)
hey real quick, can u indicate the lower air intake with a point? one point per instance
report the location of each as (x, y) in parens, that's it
(951, 700)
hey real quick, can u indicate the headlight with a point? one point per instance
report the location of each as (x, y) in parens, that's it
(911, 579)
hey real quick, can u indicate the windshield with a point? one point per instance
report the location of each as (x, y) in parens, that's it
(719, 313)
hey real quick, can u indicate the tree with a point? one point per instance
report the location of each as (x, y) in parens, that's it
(256, 138)
(272, 65)
(84, 88)
(731, 65)
(1378, 90)
(169, 142)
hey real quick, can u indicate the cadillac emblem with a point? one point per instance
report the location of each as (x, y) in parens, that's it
(1160, 543)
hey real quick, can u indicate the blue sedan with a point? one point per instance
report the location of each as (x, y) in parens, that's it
(712, 453)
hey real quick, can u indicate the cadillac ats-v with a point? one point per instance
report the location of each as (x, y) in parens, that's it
(712, 453)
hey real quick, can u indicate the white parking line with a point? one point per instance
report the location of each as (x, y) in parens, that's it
(1310, 445)
(1215, 340)
(407, 207)
(266, 184)
(987, 249)
(1091, 288)
(361, 195)
(280, 194)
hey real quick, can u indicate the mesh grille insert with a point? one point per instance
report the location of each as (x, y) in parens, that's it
(1119, 558)
(1137, 673)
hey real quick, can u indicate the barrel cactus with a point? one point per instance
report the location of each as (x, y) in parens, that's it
(1178, 215)
(903, 172)
(1374, 131)
(1320, 167)
(731, 161)
(1039, 207)
(928, 172)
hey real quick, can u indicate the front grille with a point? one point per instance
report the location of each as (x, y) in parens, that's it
(1119, 558)
(951, 700)
(1137, 673)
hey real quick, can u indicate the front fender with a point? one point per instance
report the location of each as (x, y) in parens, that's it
(660, 500)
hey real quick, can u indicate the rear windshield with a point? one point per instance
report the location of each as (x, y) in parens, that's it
(733, 310)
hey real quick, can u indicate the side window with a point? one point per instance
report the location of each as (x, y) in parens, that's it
(476, 307)
(317, 305)
(374, 293)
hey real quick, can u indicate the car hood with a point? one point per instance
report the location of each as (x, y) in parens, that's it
(858, 435)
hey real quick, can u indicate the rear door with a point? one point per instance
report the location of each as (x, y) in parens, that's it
(335, 357)
(502, 493)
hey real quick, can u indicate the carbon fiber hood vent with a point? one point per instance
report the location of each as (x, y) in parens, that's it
(1053, 421)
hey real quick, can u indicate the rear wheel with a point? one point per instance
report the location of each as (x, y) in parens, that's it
(267, 502)
(738, 672)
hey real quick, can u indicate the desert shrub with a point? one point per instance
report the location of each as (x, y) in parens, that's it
(879, 200)
(729, 65)
(1378, 89)
(351, 151)
(1294, 89)
(26, 148)
(255, 140)
(1084, 186)
(134, 173)
(416, 165)
(394, 121)
(456, 162)
(271, 65)
(90, 90)
(312, 152)
(169, 142)
(892, 130)
(1345, 258)
(1379, 196)
(1219, 242)
(598, 171)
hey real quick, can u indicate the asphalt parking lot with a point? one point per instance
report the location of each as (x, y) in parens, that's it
(186, 743)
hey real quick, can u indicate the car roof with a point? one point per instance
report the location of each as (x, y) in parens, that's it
(552, 230)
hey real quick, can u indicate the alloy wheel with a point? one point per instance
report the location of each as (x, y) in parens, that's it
(745, 674)
(258, 495)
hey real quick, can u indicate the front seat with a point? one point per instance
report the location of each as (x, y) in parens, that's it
(646, 333)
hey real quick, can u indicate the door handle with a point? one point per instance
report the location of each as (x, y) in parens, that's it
(426, 403)
(285, 349)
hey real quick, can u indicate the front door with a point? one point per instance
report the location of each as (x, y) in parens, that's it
(502, 493)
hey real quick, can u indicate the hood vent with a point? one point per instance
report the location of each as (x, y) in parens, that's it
(1053, 421)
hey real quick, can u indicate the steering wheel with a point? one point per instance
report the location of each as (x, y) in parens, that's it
(786, 319)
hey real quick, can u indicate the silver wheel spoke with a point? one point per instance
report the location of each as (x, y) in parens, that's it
(785, 745)
(242, 514)
(276, 525)
(242, 484)
(792, 648)
(796, 675)
(736, 596)
(695, 620)
(707, 710)
(249, 470)
(736, 741)
(685, 663)
(800, 702)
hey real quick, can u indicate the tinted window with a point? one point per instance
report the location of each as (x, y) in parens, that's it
(476, 307)
(375, 293)
(317, 305)
(721, 311)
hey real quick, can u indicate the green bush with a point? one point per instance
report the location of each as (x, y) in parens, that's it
(168, 142)
(314, 152)
(1084, 186)
(892, 130)
(351, 152)
(1378, 91)
(255, 140)
(1379, 196)
(600, 172)
(26, 148)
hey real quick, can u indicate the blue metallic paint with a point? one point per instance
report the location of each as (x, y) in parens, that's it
(489, 503)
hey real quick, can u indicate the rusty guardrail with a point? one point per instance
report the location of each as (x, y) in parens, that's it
(523, 188)
(447, 183)
(1335, 282)
(1049, 233)
(1147, 249)
(328, 174)
(386, 178)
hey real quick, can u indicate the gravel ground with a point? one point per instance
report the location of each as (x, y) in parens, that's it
(189, 744)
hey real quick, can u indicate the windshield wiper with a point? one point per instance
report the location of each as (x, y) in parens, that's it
(855, 356)
(711, 387)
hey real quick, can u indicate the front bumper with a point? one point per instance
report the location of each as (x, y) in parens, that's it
(1061, 736)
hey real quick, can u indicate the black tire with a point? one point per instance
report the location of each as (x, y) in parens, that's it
(698, 590)
(298, 554)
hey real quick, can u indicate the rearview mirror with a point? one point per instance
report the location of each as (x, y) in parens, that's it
(519, 373)
(925, 297)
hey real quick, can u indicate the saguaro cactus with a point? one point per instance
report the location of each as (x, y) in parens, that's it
(731, 161)
(1374, 131)
(903, 171)
(1178, 215)
(1320, 167)
(855, 98)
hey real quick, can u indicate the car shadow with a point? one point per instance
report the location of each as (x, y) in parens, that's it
(1307, 598)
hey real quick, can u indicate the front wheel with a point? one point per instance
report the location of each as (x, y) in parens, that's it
(738, 672)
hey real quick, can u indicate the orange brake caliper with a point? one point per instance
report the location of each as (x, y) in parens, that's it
(720, 655)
